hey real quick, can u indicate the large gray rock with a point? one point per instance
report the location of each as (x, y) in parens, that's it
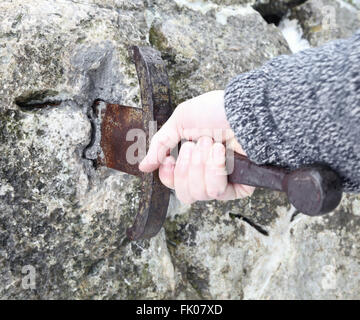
(65, 220)
(58, 214)
(355, 3)
(318, 258)
(325, 20)
(205, 46)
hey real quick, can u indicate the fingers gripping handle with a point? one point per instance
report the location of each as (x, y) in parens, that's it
(313, 190)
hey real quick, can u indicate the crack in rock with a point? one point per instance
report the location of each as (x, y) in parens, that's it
(257, 227)
(38, 99)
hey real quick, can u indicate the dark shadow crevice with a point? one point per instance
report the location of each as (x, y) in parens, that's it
(91, 151)
(273, 11)
(37, 100)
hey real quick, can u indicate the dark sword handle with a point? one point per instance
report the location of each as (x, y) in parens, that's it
(247, 172)
(313, 190)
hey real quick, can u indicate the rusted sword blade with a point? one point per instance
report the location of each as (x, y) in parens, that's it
(117, 121)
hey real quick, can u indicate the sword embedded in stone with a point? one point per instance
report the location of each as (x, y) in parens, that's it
(313, 190)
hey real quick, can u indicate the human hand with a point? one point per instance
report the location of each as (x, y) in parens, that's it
(199, 172)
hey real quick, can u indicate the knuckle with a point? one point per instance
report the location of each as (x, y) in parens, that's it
(188, 144)
(219, 148)
(159, 139)
(186, 149)
(162, 140)
(216, 191)
(205, 141)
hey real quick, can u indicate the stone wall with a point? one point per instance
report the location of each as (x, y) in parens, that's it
(66, 220)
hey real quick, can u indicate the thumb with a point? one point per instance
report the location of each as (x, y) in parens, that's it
(164, 140)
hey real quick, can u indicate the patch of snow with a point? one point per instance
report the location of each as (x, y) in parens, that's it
(197, 5)
(293, 33)
(222, 12)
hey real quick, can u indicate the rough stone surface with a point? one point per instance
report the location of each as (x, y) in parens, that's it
(355, 3)
(216, 41)
(325, 20)
(67, 219)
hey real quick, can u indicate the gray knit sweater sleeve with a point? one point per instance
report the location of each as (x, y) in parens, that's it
(302, 109)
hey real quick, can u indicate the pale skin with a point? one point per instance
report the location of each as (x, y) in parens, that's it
(199, 172)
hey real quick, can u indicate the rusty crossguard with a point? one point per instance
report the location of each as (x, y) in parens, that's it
(116, 121)
(313, 190)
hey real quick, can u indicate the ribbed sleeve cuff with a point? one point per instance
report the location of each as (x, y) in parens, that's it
(250, 118)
